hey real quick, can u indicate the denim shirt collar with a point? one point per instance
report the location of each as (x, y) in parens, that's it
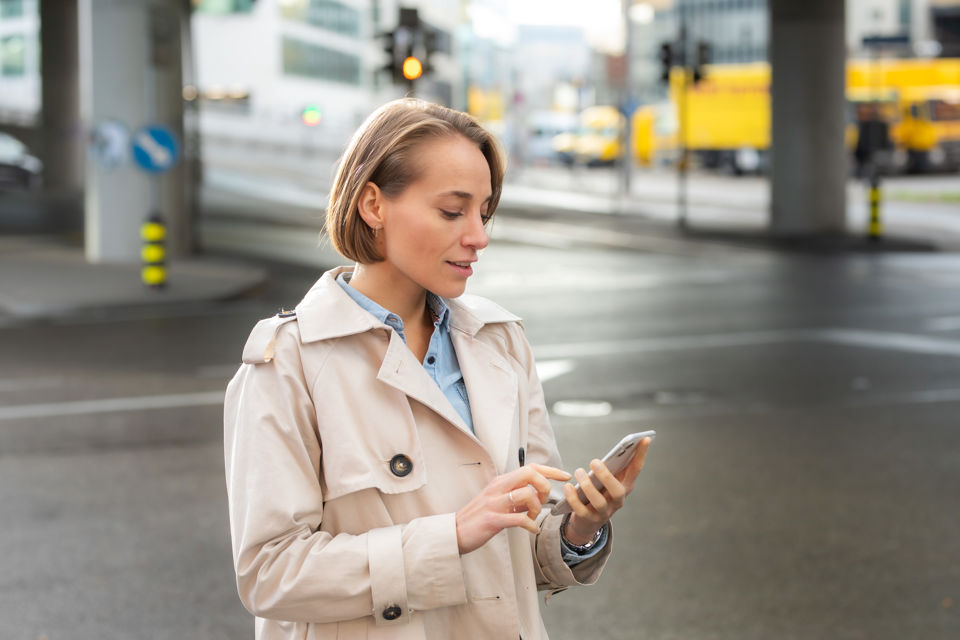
(439, 308)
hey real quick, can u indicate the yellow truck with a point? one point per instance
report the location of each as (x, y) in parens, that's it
(728, 114)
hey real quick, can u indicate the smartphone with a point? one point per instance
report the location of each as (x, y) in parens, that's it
(616, 460)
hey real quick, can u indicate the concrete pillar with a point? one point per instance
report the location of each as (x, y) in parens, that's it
(809, 162)
(62, 141)
(130, 62)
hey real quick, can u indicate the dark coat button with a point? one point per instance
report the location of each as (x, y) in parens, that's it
(400, 465)
(522, 456)
(391, 613)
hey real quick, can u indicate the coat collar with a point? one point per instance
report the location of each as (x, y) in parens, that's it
(328, 312)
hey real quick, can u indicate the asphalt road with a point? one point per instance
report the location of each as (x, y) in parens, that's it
(804, 483)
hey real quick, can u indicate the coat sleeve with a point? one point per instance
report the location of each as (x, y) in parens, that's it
(552, 572)
(287, 569)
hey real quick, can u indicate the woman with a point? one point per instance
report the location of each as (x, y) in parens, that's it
(388, 453)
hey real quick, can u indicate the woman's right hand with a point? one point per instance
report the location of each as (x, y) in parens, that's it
(493, 510)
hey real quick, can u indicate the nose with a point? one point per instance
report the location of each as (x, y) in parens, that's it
(476, 236)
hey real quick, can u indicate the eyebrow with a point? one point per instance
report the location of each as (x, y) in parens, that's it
(464, 195)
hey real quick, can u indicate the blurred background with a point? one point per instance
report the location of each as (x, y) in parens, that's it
(733, 221)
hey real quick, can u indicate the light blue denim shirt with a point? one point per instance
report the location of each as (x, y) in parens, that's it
(441, 359)
(444, 368)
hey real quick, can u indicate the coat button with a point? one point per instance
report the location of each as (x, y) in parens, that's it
(391, 613)
(400, 465)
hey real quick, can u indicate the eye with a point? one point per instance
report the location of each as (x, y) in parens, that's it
(486, 218)
(450, 215)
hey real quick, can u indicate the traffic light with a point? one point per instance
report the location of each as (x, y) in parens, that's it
(412, 68)
(409, 47)
(666, 61)
(700, 61)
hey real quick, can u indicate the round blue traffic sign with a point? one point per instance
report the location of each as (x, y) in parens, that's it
(155, 148)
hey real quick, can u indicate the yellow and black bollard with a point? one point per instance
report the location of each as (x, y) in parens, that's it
(154, 255)
(875, 226)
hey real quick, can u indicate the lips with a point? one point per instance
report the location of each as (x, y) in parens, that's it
(463, 268)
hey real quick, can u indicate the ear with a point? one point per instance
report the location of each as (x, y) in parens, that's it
(370, 205)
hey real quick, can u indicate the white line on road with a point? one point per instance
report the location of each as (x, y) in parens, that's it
(26, 384)
(669, 343)
(846, 337)
(888, 340)
(549, 369)
(108, 405)
(950, 323)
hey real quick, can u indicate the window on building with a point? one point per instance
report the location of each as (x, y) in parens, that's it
(315, 61)
(326, 14)
(12, 56)
(223, 6)
(11, 8)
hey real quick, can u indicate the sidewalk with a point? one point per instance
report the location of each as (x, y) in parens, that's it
(48, 277)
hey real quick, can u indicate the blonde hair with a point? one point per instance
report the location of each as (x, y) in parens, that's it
(382, 151)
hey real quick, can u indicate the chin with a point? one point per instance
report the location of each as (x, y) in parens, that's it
(450, 290)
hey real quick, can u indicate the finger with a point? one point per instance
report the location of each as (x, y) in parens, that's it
(632, 470)
(614, 487)
(519, 520)
(531, 475)
(576, 505)
(528, 500)
(549, 472)
(597, 501)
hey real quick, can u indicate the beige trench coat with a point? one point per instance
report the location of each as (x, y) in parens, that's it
(328, 536)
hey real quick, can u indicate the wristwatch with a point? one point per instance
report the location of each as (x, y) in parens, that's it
(579, 548)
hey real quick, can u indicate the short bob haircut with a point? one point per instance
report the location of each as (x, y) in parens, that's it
(384, 151)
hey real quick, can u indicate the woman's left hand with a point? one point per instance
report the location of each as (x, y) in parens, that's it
(587, 519)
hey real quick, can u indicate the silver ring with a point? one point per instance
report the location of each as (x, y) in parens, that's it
(513, 505)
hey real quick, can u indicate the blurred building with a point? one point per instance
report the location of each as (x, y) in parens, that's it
(303, 72)
(19, 62)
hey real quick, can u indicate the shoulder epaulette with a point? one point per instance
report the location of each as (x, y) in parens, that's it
(262, 340)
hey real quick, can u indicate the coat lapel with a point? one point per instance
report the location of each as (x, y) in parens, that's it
(492, 388)
(401, 371)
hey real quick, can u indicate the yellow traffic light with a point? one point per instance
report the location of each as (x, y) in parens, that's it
(412, 68)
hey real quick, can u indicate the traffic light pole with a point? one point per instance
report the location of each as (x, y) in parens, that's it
(626, 158)
(684, 152)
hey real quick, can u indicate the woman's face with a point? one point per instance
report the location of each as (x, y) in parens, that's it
(433, 230)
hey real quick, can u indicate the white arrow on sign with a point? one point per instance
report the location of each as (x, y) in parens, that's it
(158, 153)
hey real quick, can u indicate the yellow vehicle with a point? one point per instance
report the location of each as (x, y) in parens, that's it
(596, 140)
(925, 127)
(728, 113)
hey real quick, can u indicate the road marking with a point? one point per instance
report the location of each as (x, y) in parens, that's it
(667, 343)
(582, 409)
(26, 384)
(644, 414)
(951, 323)
(549, 369)
(109, 405)
(890, 341)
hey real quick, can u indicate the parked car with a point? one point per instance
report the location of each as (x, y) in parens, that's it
(18, 169)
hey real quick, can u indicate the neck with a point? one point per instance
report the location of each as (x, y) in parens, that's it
(391, 291)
